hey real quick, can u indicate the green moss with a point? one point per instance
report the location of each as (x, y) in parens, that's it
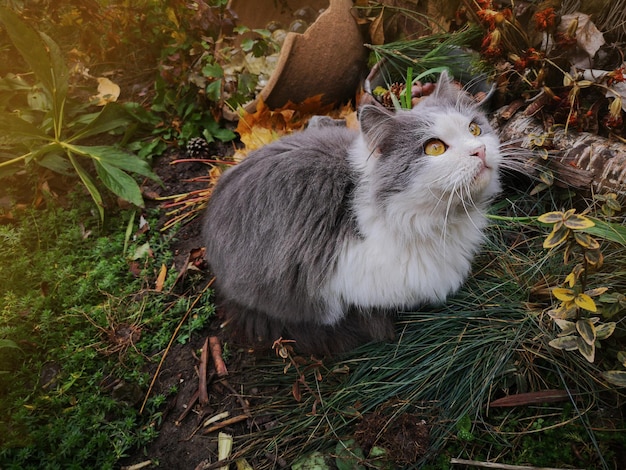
(64, 282)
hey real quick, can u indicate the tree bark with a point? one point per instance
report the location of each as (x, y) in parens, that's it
(581, 160)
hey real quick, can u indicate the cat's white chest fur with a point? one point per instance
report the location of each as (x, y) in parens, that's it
(381, 271)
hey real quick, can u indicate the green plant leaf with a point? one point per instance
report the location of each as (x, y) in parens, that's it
(348, 455)
(616, 377)
(587, 350)
(12, 126)
(608, 231)
(312, 461)
(115, 157)
(112, 116)
(621, 357)
(120, 183)
(587, 330)
(56, 162)
(605, 330)
(7, 343)
(567, 343)
(42, 55)
(89, 184)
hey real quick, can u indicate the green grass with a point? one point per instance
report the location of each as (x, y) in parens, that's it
(61, 293)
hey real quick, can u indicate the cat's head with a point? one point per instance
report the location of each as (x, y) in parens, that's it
(443, 149)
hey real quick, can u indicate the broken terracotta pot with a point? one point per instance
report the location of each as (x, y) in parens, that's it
(329, 58)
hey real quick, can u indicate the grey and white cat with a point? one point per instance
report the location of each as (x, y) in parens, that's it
(320, 236)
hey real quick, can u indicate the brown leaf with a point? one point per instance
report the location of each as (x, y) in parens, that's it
(161, 278)
(266, 125)
(531, 398)
(377, 30)
(295, 391)
(135, 268)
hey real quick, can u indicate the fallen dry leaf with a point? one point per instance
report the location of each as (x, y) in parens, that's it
(107, 92)
(266, 125)
(377, 30)
(161, 278)
(588, 37)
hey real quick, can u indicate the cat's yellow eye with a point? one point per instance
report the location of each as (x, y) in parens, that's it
(434, 147)
(475, 129)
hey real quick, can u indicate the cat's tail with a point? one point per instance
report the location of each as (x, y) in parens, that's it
(259, 331)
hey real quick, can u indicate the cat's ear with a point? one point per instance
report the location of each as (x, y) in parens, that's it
(446, 89)
(374, 120)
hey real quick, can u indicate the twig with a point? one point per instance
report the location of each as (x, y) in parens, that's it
(211, 466)
(240, 399)
(169, 345)
(204, 359)
(226, 422)
(202, 160)
(188, 408)
(216, 354)
(138, 466)
(501, 466)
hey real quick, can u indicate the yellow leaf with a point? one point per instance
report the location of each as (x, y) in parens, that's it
(171, 15)
(586, 302)
(258, 137)
(568, 252)
(578, 222)
(556, 237)
(563, 294)
(242, 464)
(161, 278)
(570, 280)
(551, 217)
(568, 213)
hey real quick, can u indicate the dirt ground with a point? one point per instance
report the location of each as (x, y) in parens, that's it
(180, 443)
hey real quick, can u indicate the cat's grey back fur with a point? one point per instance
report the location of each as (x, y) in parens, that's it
(276, 220)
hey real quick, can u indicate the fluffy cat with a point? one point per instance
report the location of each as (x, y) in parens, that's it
(320, 236)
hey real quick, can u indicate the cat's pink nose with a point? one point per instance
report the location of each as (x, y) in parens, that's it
(480, 153)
